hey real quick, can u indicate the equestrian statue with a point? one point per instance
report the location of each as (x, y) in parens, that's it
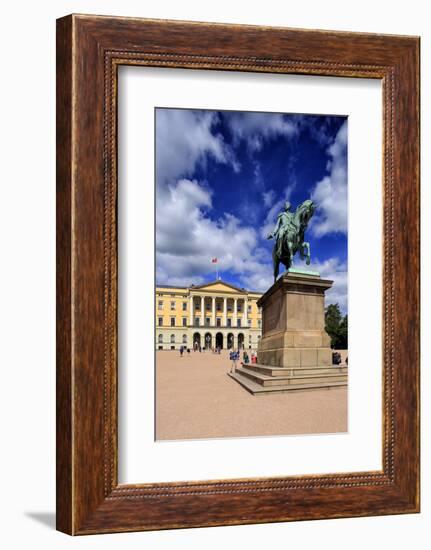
(289, 235)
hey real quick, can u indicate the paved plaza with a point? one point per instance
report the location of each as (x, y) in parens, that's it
(196, 399)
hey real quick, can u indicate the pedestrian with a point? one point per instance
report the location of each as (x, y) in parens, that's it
(234, 356)
(188, 352)
(336, 358)
(181, 351)
(235, 359)
(245, 358)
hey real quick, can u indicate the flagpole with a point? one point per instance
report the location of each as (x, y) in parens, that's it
(215, 261)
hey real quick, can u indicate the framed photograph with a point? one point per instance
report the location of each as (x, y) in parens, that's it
(237, 274)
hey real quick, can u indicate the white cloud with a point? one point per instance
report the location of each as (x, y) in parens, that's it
(260, 279)
(185, 138)
(254, 128)
(336, 271)
(187, 236)
(268, 197)
(187, 239)
(330, 194)
(259, 182)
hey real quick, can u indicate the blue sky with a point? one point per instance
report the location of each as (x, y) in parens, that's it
(223, 176)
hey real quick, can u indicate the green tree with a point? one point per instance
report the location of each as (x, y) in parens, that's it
(336, 326)
(343, 335)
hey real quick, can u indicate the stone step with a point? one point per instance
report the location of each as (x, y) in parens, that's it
(259, 389)
(293, 371)
(281, 380)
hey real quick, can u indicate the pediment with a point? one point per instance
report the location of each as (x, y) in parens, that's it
(219, 286)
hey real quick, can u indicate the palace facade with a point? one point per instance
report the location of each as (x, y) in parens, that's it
(211, 315)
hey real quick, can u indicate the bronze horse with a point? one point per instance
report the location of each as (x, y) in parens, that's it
(292, 235)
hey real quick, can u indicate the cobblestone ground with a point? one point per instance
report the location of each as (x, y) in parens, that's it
(196, 399)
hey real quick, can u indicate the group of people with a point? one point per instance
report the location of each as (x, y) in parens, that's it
(234, 357)
(336, 358)
(246, 359)
(198, 347)
(184, 349)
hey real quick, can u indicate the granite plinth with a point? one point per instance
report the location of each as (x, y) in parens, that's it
(294, 353)
(293, 315)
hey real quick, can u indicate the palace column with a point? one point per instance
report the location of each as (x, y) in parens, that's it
(202, 311)
(224, 312)
(191, 311)
(235, 305)
(213, 311)
(245, 315)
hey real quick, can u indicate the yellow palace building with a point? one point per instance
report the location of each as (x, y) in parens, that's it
(211, 315)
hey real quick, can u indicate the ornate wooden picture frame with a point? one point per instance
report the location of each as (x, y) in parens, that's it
(89, 51)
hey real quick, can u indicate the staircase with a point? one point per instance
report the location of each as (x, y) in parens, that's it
(264, 379)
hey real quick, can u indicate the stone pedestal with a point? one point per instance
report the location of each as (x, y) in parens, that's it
(294, 353)
(293, 315)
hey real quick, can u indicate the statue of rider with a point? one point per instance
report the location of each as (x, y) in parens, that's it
(284, 221)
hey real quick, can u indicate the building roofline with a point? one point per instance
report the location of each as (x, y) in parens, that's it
(217, 281)
(211, 283)
(172, 286)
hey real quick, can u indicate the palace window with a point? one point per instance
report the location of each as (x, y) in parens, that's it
(259, 323)
(208, 306)
(207, 321)
(218, 322)
(239, 308)
(249, 322)
(172, 321)
(172, 338)
(218, 306)
(229, 322)
(184, 338)
(197, 323)
(160, 304)
(238, 322)
(249, 309)
(184, 321)
(184, 306)
(160, 321)
(160, 338)
(172, 305)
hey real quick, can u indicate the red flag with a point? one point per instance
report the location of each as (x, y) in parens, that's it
(214, 260)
